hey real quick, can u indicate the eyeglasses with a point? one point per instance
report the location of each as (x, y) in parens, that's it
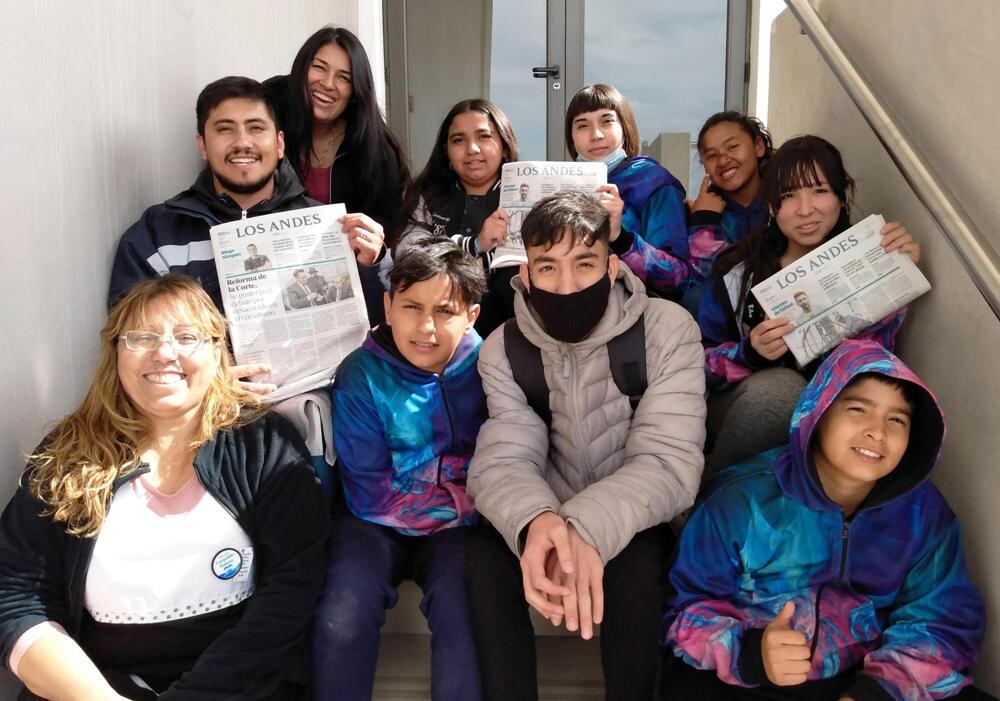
(183, 342)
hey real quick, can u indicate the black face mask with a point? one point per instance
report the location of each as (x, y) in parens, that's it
(572, 316)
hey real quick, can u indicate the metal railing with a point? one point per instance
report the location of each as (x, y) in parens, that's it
(975, 252)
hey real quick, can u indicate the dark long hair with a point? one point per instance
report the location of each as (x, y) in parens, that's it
(378, 157)
(600, 96)
(436, 182)
(751, 125)
(800, 162)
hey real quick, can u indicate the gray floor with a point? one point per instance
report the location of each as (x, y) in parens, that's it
(569, 668)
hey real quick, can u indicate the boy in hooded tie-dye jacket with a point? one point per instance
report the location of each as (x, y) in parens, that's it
(832, 568)
(407, 407)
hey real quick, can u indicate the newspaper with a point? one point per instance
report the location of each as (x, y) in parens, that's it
(292, 294)
(523, 183)
(844, 286)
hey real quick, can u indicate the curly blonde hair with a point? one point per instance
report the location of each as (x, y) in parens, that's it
(77, 465)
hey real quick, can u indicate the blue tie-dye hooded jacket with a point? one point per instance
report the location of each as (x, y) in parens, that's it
(404, 436)
(710, 233)
(654, 238)
(883, 594)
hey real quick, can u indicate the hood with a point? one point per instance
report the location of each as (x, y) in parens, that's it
(381, 344)
(627, 302)
(201, 199)
(795, 470)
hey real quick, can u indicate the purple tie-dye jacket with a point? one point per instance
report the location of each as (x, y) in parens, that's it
(710, 233)
(404, 436)
(883, 594)
(729, 355)
(654, 240)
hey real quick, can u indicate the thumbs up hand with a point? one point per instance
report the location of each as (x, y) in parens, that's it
(785, 651)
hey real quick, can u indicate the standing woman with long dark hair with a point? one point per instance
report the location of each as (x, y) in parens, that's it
(337, 141)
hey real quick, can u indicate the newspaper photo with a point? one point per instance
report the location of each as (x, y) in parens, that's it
(292, 295)
(844, 286)
(523, 183)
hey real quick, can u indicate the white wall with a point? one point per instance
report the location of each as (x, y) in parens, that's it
(97, 124)
(937, 66)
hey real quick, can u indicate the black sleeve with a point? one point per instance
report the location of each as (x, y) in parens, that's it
(621, 244)
(704, 217)
(289, 524)
(32, 569)
(751, 660)
(389, 211)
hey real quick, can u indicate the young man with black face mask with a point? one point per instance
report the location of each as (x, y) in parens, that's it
(577, 508)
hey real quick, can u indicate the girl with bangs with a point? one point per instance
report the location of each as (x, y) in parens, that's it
(149, 551)
(644, 201)
(753, 380)
(458, 195)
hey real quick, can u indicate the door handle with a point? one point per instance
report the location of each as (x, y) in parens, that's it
(545, 71)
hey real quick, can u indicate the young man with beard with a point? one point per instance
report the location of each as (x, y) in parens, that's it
(578, 505)
(242, 148)
(245, 176)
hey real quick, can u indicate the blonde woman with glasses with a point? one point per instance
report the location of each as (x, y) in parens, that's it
(167, 536)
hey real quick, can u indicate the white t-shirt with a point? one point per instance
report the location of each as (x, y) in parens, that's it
(166, 557)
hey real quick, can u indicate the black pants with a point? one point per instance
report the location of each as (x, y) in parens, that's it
(681, 682)
(633, 607)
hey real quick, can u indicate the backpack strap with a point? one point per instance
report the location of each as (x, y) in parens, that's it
(525, 360)
(627, 356)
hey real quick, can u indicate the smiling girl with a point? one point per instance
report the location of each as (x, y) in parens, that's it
(733, 148)
(753, 379)
(645, 202)
(458, 195)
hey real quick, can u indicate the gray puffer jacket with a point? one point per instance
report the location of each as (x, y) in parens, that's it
(608, 473)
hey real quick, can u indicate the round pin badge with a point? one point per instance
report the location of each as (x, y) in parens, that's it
(227, 563)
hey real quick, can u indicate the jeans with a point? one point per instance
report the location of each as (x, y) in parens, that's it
(634, 583)
(367, 562)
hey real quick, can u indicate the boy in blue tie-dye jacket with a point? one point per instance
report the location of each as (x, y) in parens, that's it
(831, 568)
(407, 407)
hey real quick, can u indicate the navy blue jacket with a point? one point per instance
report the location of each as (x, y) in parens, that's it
(172, 237)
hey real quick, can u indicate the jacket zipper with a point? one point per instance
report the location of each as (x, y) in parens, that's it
(845, 539)
(570, 375)
(451, 426)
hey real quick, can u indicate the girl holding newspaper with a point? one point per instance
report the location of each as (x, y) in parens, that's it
(458, 195)
(341, 148)
(752, 377)
(645, 202)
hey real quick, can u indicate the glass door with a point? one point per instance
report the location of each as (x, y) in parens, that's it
(676, 61)
(519, 44)
(668, 57)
